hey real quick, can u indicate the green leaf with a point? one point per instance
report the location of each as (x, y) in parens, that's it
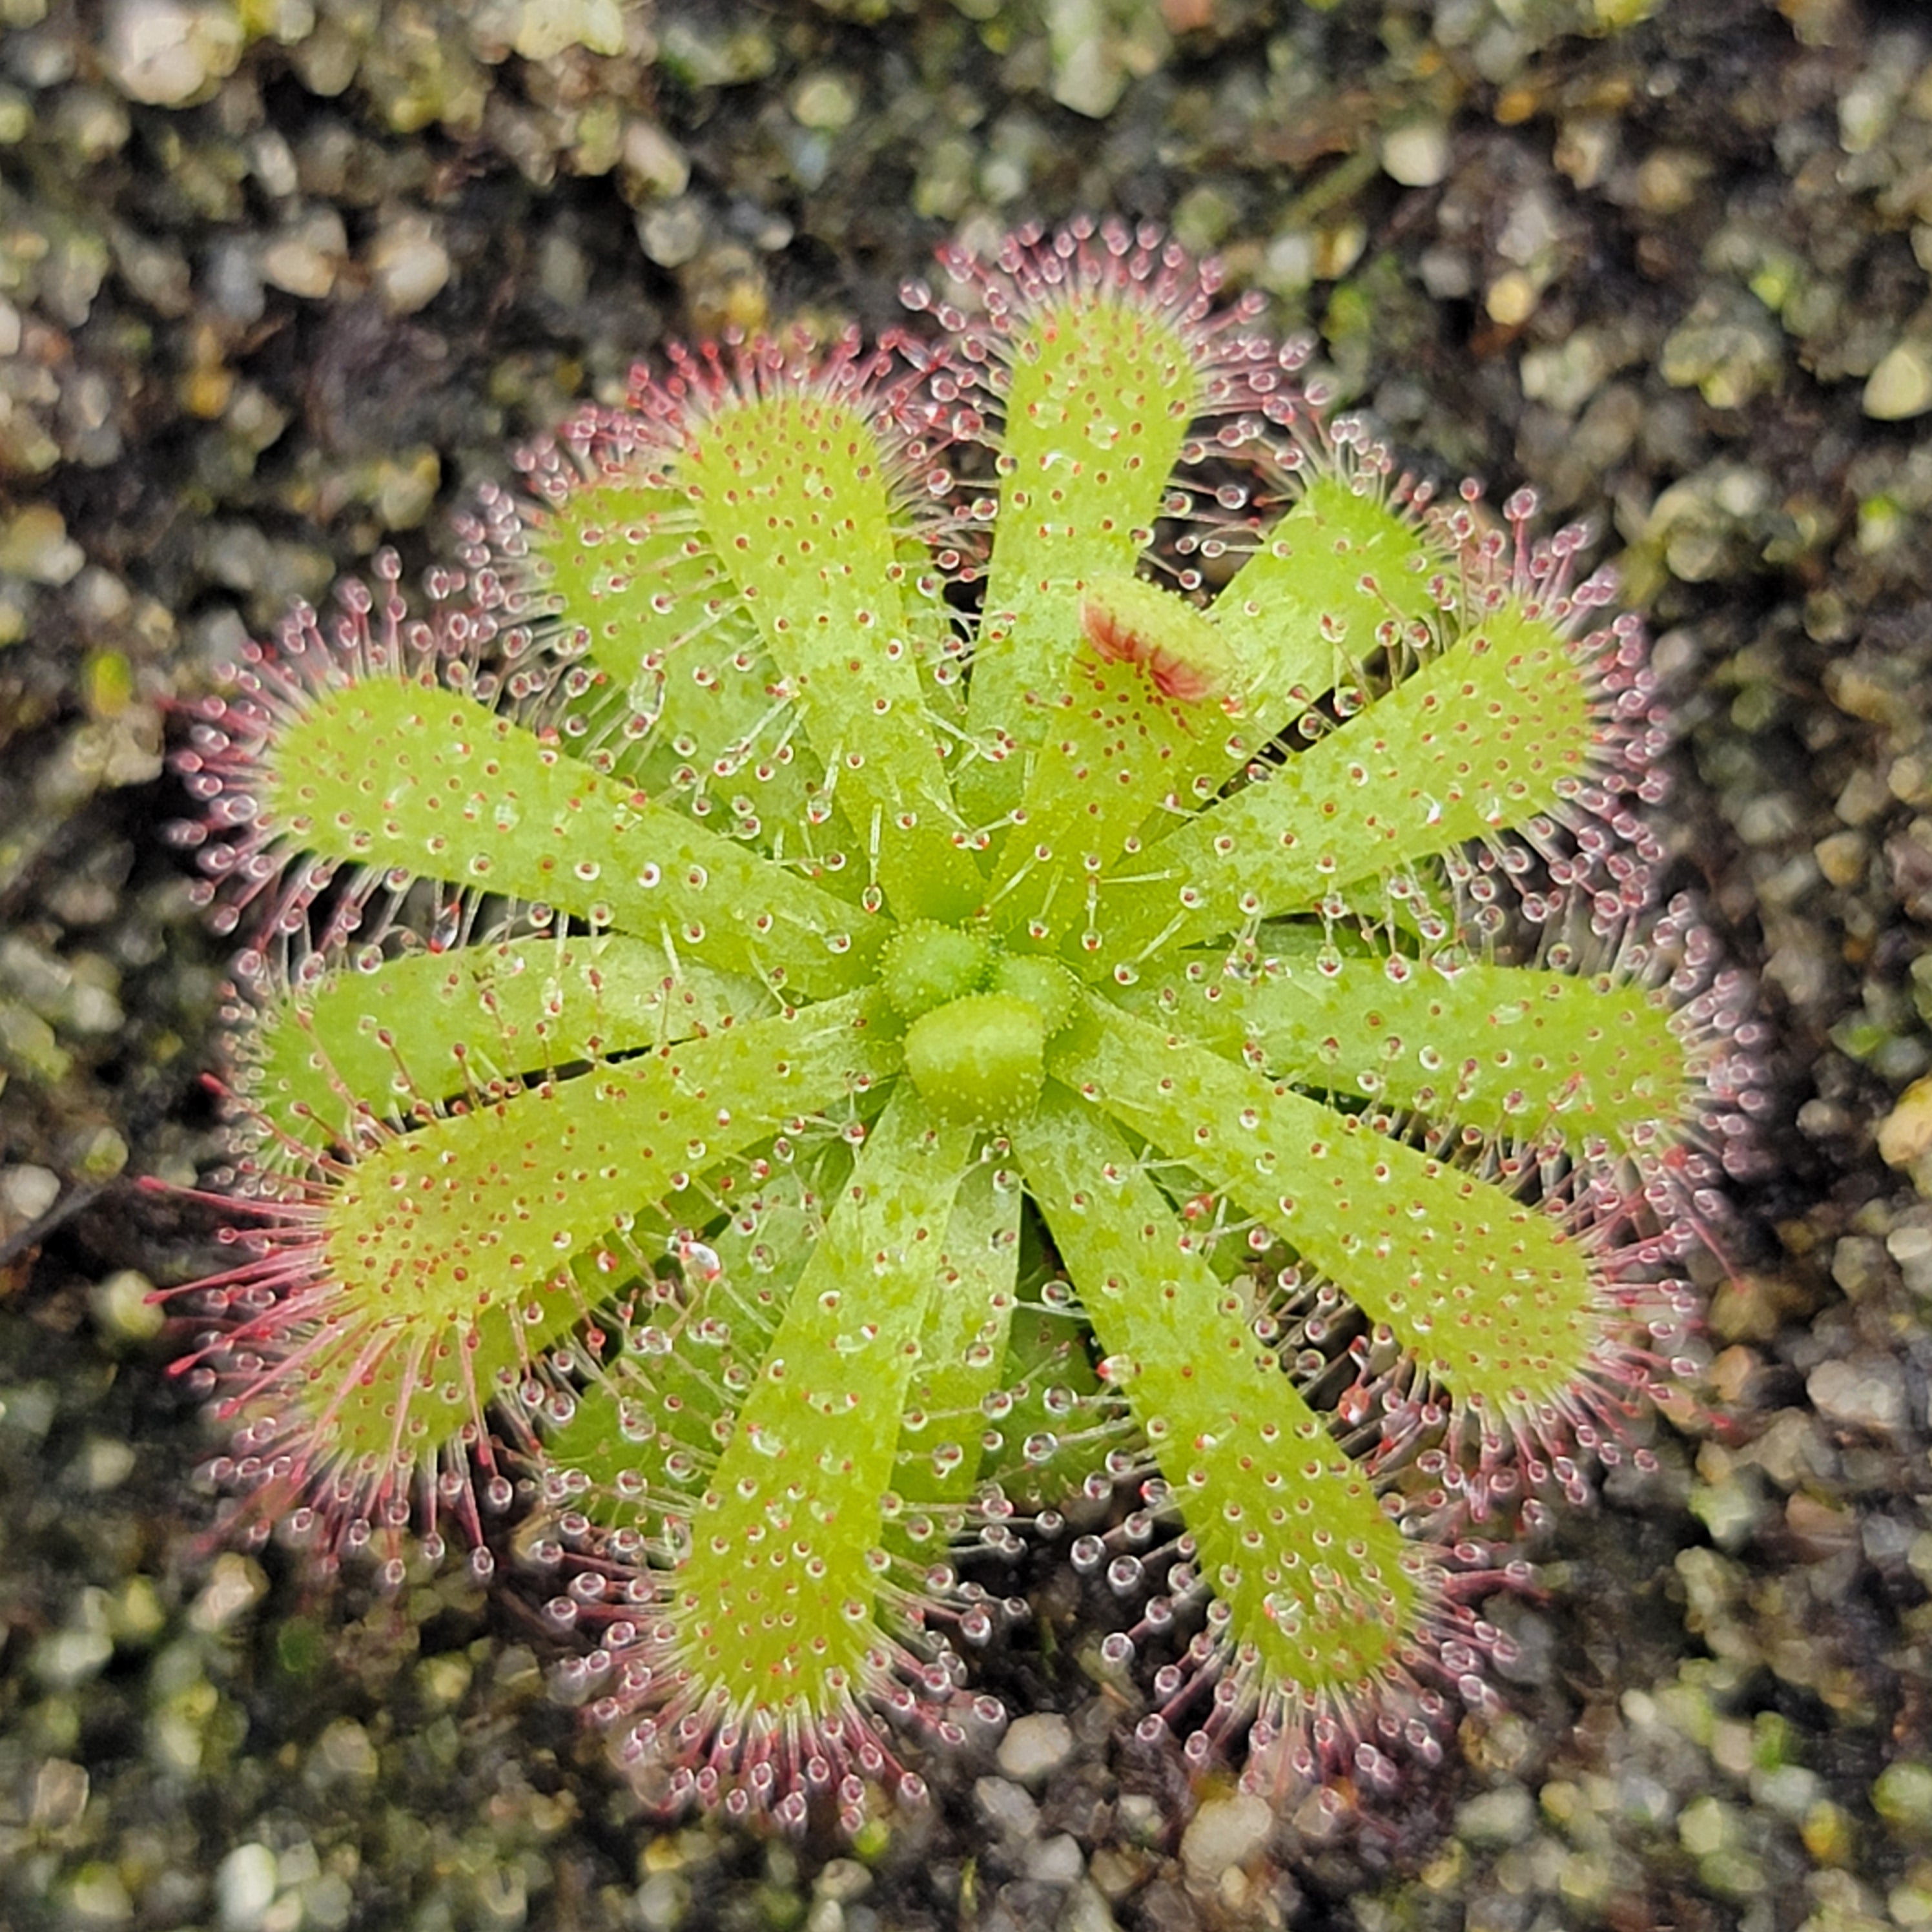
(1326, 1600)
(1505, 1049)
(387, 773)
(1100, 393)
(776, 1606)
(1494, 1299)
(429, 1028)
(791, 488)
(1498, 729)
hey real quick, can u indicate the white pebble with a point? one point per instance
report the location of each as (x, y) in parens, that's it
(164, 53)
(245, 1887)
(27, 1192)
(409, 265)
(303, 260)
(1416, 154)
(1225, 1833)
(1034, 1746)
(1901, 385)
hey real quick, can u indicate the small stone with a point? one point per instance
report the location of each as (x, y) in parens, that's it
(245, 1887)
(64, 1659)
(1734, 1371)
(1829, 1834)
(1841, 857)
(409, 265)
(297, 1866)
(1226, 1834)
(1288, 265)
(1866, 1393)
(1668, 182)
(1911, 1248)
(1337, 249)
(303, 260)
(232, 281)
(1055, 1861)
(1416, 154)
(137, 1615)
(661, 1902)
(1447, 274)
(1034, 1746)
(1865, 795)
(93, 124)
(1902, 1794)
(1505, 1817)
(1706, 1826)
(825, 102)
(1511, 301)
(327, 1903)
(547, 27)
(1087, 1910)
(97, 1896)
(1567, 374)
(653, 163)
(272, 162)
(673, 233)
(1727, 360)
(234, 1585)
(59, 1795)
(345, 1748)
(35, 545)
(1865, 111)
(1203, 219)
(843, 1880)
(1730, 1510)
(103, 1464)
(563, 270)
(405, 488)
(1089, 72)
(1584, 144)
(163, 53)
(1905, 1133)
(1901, 385)
(26, 1192)
(1006, 1808)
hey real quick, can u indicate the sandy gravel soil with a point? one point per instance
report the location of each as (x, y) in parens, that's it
(280, 280)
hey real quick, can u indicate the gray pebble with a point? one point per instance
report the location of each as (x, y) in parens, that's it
(1866, 1392)
(1055, 1861)
(1087, 1911)
(1503, 1817)
(1005, 1807)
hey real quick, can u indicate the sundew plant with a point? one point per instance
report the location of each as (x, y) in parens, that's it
(1004, 935)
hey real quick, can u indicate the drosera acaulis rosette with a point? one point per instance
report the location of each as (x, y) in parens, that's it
(919, 938)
